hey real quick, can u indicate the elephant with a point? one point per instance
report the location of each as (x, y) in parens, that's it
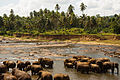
(44, 75)
(20, 65)
(46, 62)
(111, 66)
(21, 75)
(83, 67)
(3, 68)
(95, 68)
(9, 64)
(36, 63)
(61, 76)
(69, 65)
(34, 68)
(27, 63)
(7, 76)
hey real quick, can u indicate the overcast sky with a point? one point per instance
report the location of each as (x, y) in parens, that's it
(23, 7)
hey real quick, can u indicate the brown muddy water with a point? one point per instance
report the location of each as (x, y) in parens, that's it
(27, 52)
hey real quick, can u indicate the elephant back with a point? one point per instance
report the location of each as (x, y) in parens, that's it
(61, 76)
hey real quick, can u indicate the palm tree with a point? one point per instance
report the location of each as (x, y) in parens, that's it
(57, 7)
(70, 9)
(82, 7)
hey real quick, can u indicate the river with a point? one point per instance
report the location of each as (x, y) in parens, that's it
(32, 51)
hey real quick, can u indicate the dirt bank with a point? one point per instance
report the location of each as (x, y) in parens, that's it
(64, 37)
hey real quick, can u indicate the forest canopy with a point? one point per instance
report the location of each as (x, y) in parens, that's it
(46, 22)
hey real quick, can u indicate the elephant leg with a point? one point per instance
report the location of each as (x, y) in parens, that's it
(43, 65)
(51, 66)
(105, 70)
(32, 72)
(77, 69)
(112, 70)
(8, 69)
(87, 71)
(23, 69)
(117, 70)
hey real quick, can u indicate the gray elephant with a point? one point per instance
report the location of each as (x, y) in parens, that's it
(3, 68)
(20, 65)
(7, 76)
(34, 69)
(61, 77)
(9, 64)
(46, 62)
(44, 75)
(21, 75)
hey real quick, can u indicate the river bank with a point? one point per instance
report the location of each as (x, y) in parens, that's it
(81, 39)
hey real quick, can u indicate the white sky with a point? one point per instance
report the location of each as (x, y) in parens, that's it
(23, 7)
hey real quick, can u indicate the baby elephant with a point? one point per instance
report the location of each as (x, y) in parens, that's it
(44, 75)
(21, 75)
(7, 76)
(61, 77)
(34, 68)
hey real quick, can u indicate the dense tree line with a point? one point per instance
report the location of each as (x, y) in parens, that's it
(43, 21)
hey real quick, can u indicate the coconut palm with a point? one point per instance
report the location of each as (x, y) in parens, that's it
(57, 7)
(82, 7)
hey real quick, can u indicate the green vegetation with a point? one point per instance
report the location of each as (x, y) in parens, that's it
(46, 22)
